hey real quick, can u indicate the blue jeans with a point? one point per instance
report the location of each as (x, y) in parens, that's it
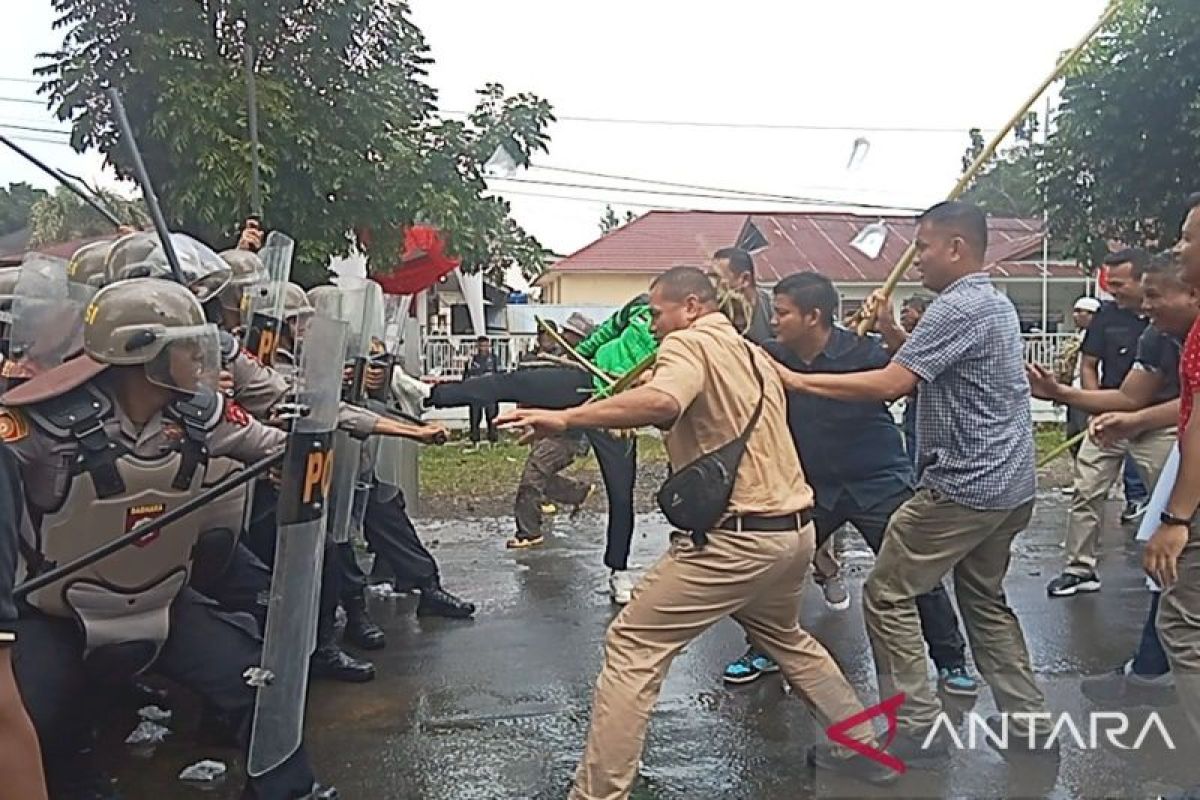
(1135, 489)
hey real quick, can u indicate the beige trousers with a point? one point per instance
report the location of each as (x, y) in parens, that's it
(928, 537)
(1096, 470)
(756, 578)
(1179, 628)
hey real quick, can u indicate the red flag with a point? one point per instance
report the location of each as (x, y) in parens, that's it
(423, 264)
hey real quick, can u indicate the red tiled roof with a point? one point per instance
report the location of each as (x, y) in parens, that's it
(796, 242)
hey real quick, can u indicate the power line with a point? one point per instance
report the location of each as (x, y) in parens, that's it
(769, 126)
(519, 193)
(20, 80)
(22, 100)
(58, 142)
(708, 196)
(33, 129)
(700, 187)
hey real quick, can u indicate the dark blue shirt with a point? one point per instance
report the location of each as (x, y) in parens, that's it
(847, 449)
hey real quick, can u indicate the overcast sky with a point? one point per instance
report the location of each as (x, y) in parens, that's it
(868, 67)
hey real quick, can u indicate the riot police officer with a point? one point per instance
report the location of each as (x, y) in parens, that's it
(135, 420)
(89, 264)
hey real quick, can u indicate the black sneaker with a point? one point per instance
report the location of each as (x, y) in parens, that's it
(1134, 511)
(1067, 584)
(825, 756)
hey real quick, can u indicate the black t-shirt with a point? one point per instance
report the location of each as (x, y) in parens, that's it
(1159, 352)
(12, 506)
(1113, 337)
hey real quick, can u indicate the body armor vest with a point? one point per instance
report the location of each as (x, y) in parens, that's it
(126, 597)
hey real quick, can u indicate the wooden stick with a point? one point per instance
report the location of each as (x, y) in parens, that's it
(1062, 448)
(570, 351)
(867, 320)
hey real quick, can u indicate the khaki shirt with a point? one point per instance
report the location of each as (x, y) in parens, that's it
(259, 388)
(45, 461)
(706, 368)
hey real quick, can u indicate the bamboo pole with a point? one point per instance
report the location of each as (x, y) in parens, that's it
(1060, 449)
(579, 360)
(867, 320)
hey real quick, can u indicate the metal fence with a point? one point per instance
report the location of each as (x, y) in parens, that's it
(448, 356)
(1043, 348)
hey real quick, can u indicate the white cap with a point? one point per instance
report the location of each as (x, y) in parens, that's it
(1089, 304)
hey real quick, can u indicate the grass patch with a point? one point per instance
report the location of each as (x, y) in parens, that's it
(1047, 436)
(453, 471)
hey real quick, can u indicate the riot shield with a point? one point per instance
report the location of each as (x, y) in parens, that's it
(359, 303)
(47, 317)
(263, 303)
(291, 631)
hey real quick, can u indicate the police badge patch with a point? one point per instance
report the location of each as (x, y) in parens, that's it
(136, 515)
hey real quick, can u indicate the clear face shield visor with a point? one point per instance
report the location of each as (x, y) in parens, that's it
(188, 360)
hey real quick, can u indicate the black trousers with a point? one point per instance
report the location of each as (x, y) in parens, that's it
(557, 388)
(939, 620)
(541, 387)
(480, 413)
(617, 456)
(207, 651)
(260, 539)
(391, 535)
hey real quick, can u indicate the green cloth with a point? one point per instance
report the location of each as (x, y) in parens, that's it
(621, 342)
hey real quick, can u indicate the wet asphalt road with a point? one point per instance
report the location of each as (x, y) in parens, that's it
(497, 707)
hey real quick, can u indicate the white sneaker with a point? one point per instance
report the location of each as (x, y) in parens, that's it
(620, 586)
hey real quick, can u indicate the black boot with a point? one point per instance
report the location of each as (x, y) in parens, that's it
(360, 630)
(437, 602)
(332, 662)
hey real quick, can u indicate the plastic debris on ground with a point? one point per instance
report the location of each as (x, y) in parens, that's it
(154, 714)
(204, 771)
(384, 591)
(147, 732)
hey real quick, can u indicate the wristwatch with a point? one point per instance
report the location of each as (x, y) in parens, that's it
(1167, 518)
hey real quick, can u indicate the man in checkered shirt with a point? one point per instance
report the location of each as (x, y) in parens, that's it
(977, 482)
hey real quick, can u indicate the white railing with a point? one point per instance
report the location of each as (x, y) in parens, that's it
(448, 356)
(1043, 348)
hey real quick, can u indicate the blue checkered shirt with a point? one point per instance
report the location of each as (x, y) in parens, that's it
(974, 427)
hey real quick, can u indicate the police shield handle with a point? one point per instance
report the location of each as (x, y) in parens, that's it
(867, 319)
(281, 677)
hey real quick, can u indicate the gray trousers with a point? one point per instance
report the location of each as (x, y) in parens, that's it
(1096, 470)
(1179, 628)
(928, 537)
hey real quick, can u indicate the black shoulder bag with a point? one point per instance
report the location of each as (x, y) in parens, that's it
(695, 498)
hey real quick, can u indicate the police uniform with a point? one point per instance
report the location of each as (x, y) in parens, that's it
(91, 474)
(262, 388)
(203, 648)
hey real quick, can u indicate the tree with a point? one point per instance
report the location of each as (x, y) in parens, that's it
(1008, 186)
(611, 221)
(62, 216)
(1121, 160)
(352, 148)
(16, 201)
